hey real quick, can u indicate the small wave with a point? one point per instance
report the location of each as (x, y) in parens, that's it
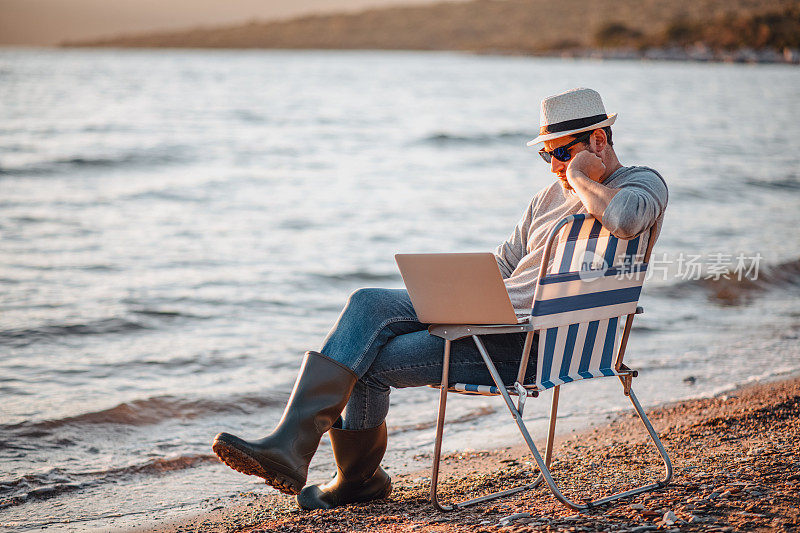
(179, 195)
(25, 336)
(104, 326)
(645, 329)
(790, 182)
(31, 219)
(159, 313)
(146, 309)
(358, 275)
(158, 466)
(442, 139)
(144, 158)
(56, 482)
(247, 115)
(192, 363)
(734, 291)
(302, 224)
(37, 487)
(66, 267)
(152, 411)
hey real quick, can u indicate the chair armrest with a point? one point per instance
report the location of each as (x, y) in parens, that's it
(454, 332)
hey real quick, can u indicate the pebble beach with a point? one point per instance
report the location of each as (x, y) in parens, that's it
(736, 461)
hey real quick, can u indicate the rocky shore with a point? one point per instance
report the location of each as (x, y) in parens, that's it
(736, 459)
(698, 53)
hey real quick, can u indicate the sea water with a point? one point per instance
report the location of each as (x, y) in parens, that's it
(178, 227)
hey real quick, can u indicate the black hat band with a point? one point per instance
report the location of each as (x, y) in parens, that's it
(573, 124)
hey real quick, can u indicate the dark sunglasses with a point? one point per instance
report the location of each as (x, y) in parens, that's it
(562, 152)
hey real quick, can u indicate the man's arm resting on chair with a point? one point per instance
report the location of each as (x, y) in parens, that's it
(625, 211)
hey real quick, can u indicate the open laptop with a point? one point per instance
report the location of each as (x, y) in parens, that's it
(456, 288)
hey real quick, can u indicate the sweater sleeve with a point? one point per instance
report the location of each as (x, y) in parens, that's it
(511, 252)
(637, 205)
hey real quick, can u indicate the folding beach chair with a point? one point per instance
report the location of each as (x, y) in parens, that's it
(592, 283)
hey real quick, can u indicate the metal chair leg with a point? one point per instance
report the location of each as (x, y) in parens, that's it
(545, 472)
(551, 433)
(661, 450)
(437, 447)
(607, 499)
(466, 503)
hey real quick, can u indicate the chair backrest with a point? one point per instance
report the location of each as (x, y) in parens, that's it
(593, 280)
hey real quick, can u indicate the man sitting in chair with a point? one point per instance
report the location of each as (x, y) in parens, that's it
(378, 343)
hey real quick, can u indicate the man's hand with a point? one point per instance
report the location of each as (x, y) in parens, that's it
(586, 163)
(583, 174)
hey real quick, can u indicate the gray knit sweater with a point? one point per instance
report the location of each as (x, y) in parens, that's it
(639, 204)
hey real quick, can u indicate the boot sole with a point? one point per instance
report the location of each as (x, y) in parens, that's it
(241, 461)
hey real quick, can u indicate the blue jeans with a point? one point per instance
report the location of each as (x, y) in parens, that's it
(379, 337)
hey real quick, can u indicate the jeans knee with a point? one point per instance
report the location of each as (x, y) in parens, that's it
(366, 295)
(366, 300)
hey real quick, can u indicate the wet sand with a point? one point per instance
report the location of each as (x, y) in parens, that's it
(736, 460)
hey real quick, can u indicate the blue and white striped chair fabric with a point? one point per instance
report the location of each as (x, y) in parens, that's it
(594, 279)
(485, 390)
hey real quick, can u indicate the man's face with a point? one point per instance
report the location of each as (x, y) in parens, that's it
(559, 168)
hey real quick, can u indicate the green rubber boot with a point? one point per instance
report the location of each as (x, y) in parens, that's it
(359, 477)
(320, 393)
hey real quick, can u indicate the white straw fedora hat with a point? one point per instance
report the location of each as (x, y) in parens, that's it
(571, 112)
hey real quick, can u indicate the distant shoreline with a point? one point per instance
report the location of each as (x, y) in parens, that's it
(694, 54)
(742, 31)
(743, 56)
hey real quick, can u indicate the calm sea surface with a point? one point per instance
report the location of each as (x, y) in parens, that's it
(177, 228)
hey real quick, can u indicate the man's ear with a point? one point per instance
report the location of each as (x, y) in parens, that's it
(598, 141)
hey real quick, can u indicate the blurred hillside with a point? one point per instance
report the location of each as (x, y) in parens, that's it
(512, 26)
(49, 22)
